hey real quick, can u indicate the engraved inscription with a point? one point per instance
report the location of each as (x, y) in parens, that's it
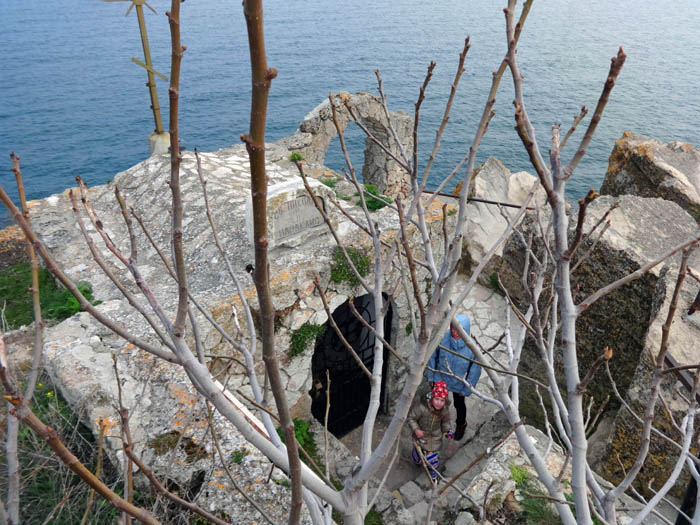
(294, 217)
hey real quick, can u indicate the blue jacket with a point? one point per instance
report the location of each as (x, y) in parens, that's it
(460, 367)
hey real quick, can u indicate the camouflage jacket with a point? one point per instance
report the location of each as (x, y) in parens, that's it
(432, 422)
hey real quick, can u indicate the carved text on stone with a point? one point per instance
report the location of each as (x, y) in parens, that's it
(294, 217)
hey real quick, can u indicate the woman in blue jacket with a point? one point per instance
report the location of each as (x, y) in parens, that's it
(462, 368)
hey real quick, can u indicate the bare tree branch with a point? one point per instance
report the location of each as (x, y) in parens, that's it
(577, 120)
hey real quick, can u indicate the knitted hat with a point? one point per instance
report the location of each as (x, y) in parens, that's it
(440, 390)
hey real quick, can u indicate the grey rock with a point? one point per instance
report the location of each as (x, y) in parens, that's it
(79, 350)
(649, 168)
(465, 518)
(416, 514)
(486, 222)
(411, 494)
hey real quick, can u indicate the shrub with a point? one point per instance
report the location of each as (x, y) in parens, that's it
(303, 336)
(341, 271)
(537, 509)
(520, 475)
(306, 440)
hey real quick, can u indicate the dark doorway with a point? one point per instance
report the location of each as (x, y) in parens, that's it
(350, 388)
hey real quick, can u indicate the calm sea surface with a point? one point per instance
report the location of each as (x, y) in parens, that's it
(72, 102)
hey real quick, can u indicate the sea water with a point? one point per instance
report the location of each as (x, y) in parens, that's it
(72, 101)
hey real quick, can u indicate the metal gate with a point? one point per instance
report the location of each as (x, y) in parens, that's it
(350, 387)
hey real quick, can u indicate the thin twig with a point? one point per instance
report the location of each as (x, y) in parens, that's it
(52, 267)
(389, 123)
(98, 471)
(339, 333)
(486, 453)
(49, 435)
(374, 332)
(499, 370)
(446, 114)
(210, 420)
(588, 301)
(616, 64)
(577, 120)
(57, 507)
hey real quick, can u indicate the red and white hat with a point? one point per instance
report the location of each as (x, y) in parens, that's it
(440, 390)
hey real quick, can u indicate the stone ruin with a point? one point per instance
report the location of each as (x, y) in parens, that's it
(317, 130)
(79, 351)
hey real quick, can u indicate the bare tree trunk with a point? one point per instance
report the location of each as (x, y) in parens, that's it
(255, 144)
(13, 479)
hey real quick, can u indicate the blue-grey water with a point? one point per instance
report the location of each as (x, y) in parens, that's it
(72, 102)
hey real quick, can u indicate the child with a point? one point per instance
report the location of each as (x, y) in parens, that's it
(429, 421)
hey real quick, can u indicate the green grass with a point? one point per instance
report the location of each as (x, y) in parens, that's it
(520, 475)
(303, 336)
(56, 302)
(305, 438)
(238, 455)
(537, 510)
(493, 282)
(45, 479)
(341, 271)
(329, 182)
(283, 482)
(377, 202)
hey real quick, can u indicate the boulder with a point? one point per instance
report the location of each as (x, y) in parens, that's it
(487, 221)
(411, 494)
(649, 168)
(628, 320)
(643, 229)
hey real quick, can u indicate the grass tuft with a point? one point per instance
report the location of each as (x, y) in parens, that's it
(303, 336)
(341, 271)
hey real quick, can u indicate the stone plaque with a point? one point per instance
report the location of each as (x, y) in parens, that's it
(292, 217)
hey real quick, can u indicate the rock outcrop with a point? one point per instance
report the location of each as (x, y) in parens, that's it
(485, 221)
(642, 230)
(649, 168)
(79, 351)
(628, 321)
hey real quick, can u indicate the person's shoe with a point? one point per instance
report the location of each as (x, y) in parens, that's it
(459, 433)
